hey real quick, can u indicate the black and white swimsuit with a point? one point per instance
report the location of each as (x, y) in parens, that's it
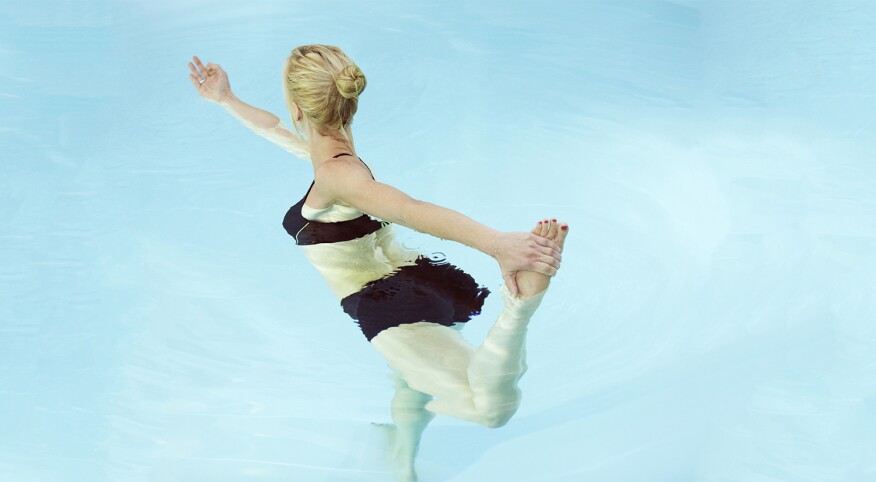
(380, 283)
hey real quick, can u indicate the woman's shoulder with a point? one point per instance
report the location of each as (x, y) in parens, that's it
(343, 174)
(342, 167)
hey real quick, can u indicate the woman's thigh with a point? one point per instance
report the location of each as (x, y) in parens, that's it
(431, 358)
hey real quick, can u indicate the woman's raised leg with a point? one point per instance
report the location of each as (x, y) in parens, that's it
(479, 385)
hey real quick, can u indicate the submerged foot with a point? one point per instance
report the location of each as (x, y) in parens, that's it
(403, 468)
(530, 283)
(388, 430)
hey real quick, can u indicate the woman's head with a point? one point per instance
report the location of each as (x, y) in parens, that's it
(325, 84)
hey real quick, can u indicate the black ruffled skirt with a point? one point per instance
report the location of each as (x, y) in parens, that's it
(431, 290)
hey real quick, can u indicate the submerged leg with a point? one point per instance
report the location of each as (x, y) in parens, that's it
(410, 419)
(491, 395)
(500, 361)
(479, 385)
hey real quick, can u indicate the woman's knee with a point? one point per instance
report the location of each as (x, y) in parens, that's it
(497, 419)
(495, 415)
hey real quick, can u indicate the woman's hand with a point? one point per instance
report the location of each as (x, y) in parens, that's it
(211, 81)
(519, 251)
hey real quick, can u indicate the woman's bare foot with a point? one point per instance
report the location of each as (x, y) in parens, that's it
(530, 283)
(402, 466)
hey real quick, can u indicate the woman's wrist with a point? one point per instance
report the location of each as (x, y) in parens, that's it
(228, 100)
(491, 245)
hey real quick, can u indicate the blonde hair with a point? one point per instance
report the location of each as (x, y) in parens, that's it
(325, 83)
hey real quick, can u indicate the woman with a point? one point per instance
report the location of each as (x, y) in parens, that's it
(408, 306)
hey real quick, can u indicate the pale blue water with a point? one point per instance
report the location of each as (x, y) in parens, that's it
(713, 319)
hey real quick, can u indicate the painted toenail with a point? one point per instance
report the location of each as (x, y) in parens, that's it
(564, 228)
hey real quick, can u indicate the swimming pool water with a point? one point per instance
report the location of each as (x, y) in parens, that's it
(713, 319)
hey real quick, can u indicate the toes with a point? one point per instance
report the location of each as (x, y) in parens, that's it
(563, 232)
(552, 229)
(552, 232)
(542, 227)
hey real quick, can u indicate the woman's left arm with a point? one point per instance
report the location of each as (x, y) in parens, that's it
(212, 84)
(266, 125)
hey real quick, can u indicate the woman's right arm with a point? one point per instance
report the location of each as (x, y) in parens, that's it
(216, 88)
(349, 182)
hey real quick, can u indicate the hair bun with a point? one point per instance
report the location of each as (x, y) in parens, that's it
(350, 81)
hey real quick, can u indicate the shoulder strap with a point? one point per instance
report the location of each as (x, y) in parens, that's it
(360, 159)
(369, 169)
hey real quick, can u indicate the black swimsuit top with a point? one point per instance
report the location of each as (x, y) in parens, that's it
(306, 231)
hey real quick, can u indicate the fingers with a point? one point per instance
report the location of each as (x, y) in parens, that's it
(199, 75)
(546, 242)
(539, 260)
(544, 256)
(195, 81)
(545, 268)
(544, 251)
(543, 232)
(511, 284)
(195, 76)
(200, 71)
(552, 253)
(199, 64)
(543, 242)
(537, 256)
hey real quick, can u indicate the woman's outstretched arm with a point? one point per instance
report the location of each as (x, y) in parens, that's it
(267, 125)
(515, 251)
(216, 88)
